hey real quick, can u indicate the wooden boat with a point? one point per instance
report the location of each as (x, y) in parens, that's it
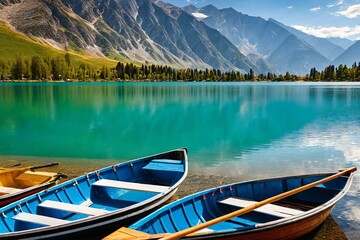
(17, 183)
(279, 208)
(95, 204)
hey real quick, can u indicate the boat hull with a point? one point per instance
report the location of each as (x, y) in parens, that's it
(10, 198)
(287, 231)
(202, 215)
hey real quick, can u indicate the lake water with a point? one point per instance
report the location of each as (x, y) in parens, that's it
(244, 130)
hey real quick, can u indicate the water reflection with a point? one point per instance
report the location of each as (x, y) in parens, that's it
(110, 120)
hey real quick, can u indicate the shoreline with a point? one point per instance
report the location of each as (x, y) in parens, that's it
(155, 81)
(195, 182)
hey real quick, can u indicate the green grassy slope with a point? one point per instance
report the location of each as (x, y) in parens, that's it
(13, 44)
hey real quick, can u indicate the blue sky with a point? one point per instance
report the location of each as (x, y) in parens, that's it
(322, 18)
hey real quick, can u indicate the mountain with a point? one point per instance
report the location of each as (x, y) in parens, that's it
(297, 56)
(173, 28)
(342, 42)
(101, 28)
(351, 55)
(15, 44)
(214, 18)
(268, 39)
(151, 31)
(324, 46)
(138, 30)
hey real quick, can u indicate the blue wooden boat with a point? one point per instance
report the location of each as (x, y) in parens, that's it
(95, 204)
(278, 208)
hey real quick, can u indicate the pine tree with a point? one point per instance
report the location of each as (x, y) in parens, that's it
(251, 74)
(36, 67)
(17, 69)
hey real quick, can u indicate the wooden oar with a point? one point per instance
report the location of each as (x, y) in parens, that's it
(44, 166)
(15, 165)
(32, 167)
(24, 169)
(256, 205)
(11, 166)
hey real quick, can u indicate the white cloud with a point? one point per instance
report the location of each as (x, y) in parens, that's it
(351, 12)
(325, 32)
(347, 143)
(290, 7)
(338, 3)
(315, 9)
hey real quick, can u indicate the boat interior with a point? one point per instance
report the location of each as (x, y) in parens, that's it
(97, 193)
(220, 201)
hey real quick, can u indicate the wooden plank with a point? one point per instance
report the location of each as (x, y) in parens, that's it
(131, 186)
(39, 219)
(124, 233)
(73, 208)
(270, 209)
(127, 233)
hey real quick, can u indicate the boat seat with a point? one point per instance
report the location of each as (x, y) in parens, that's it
(39, 219)
(269, 209)
(130, 186)
(68, 207)
(202, 231)
(8, 190)
(165, 165)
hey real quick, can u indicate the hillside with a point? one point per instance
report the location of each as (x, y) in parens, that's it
(14, 44)
(351, 55)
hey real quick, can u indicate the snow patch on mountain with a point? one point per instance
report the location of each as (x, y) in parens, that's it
(199, 15)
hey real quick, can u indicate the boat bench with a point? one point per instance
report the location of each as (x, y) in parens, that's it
(165, 165)
(39, 219)
(202, 231)
(68, 207)
(269, 209)
(130, 186)
(8, 190)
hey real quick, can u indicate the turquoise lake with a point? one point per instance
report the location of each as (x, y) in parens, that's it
(252, 130)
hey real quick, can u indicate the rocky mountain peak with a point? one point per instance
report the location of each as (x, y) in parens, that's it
(158, 32)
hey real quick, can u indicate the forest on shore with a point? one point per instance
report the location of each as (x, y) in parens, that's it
(38, 68)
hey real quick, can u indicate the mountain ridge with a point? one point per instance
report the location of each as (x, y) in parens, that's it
(324, 46)
(349, 56)
(151, 31)
(139, 30)
(264, 38)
